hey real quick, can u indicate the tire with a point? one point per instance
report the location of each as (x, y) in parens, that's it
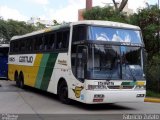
(16, 78)
(21, 81)
(63, 93)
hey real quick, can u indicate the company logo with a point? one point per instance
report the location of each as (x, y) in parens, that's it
(77, 91)
(62, 62)
(26, 59)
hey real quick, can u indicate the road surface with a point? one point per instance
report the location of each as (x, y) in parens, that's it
(35, 104)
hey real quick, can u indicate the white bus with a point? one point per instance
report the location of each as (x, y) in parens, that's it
(87, 61)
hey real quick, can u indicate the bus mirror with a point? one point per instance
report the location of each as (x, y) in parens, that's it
(84, 56)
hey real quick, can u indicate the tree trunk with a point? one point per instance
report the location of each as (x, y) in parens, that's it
(121, 6)
(115, 4)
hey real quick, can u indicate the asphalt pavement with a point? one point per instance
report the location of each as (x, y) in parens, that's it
(33, 104)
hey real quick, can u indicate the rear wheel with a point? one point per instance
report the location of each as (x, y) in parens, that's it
(21, 81)
(63, 93)
(16, 79)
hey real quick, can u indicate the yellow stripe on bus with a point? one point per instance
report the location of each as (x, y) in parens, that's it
(140, 83)
(30, 79)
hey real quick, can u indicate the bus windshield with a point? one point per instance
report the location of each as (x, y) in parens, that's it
(114, 62)
(114, 34)
(113, 53)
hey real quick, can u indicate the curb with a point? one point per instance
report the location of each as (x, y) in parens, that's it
(154, 100)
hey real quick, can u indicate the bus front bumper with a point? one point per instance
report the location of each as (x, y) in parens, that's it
(94, 97)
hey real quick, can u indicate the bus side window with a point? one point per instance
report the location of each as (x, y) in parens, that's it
(79, 33)
(52, 41)
(38, 43)
(62, 39)
(16, 46)
(41, 44)
(45, 42)
(59, 40)
(12, 47)
(66, 38)
(29, 46)
(22, 45)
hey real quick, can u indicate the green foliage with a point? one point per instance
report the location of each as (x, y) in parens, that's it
(104, 13)
(39, 26)
(153, 94)
(55, 22)
(11, 28)
(3, 30)
(147, 19)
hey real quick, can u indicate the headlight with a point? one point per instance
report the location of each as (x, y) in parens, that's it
(140, 87)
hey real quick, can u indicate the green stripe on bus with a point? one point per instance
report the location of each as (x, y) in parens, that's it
(48, 71)
(41, 70)
(128, 83)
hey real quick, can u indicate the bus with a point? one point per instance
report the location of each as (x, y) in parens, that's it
(88, 61)
(4, 48)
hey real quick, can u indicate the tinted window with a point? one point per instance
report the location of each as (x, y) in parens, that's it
(79, 33)
(46, 42)
(62, 39)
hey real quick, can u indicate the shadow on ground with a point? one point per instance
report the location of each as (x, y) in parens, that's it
(89, 107)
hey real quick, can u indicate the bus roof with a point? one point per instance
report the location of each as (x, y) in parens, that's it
(107, 23)
(41, 31)
(87, 22)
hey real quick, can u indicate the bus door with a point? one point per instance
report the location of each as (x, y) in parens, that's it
(81, 62)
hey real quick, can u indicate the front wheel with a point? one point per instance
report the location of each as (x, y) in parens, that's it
(63, 93)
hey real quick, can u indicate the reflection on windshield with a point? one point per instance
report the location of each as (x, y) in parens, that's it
(114, 34)
(114, 62)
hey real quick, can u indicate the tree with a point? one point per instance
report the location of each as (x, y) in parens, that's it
(10, 28)
(4, 35)
(121, 6)
(55, 22)
(104, 13)
(39, 26)
(148, 20)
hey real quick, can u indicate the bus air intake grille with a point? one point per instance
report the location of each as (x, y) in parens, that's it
(121, 87)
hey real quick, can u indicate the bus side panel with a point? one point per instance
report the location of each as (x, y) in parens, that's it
(45, 71)
(60, 71)
(29, 72)
(11, 71)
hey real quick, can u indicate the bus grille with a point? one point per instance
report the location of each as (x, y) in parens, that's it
(121, 87)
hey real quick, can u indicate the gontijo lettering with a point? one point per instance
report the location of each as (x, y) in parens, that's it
(26, 59)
